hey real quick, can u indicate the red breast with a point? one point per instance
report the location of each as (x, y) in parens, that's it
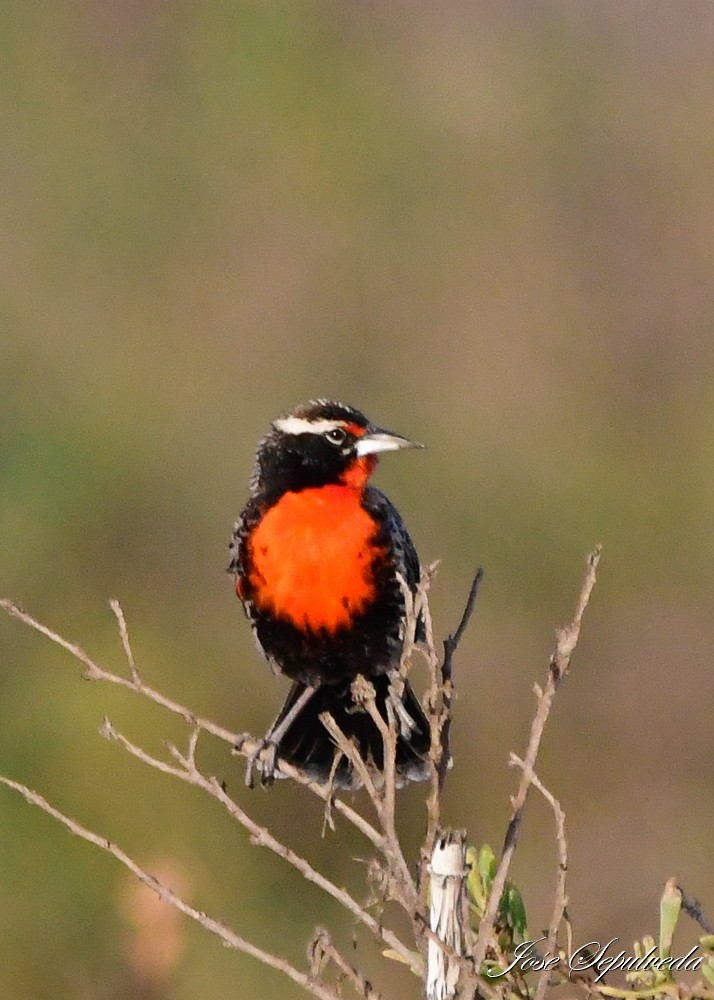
(311, 557)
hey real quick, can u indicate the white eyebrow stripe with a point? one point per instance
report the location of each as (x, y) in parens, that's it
(300, 425)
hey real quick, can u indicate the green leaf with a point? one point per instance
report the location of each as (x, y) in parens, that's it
(474, 884)
(514, 909)
(708, 971)
(487, 866)
(669, 909)
(414, 965)
(707, 942)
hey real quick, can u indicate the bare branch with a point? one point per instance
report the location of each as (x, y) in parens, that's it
(225, 933)
(350, 752)
(567, 639)
(693, 907)
(451, 644)
(439, 701)
(188, 772)
(446, 936)
(392, 848)
(15, 611)
(413, 607)
(363, 694)
(568, 636)
(469, 979)
(389, 842)
(328, 820)
(560, 901)
(434, 706)
(321, 950)
(446, 914)
(243, 744)
(124, 635)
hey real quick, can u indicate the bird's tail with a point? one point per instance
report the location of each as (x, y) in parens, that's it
(306, 743)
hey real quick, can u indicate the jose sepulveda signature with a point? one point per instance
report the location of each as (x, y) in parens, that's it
(601, 958)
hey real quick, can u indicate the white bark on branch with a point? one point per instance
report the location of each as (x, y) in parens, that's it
(448, 872)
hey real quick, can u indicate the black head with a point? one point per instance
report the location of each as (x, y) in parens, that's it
(319, 443)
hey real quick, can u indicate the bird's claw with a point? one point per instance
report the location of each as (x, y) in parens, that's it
(263, 759)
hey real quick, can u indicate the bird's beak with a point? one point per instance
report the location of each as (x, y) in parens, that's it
(377, 440)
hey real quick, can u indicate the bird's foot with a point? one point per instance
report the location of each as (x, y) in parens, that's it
(264, 760)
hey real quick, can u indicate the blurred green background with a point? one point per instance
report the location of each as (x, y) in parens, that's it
(491, 226)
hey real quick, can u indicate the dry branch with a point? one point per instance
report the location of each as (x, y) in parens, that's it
(243, 744)
(693, 907)
(446, 914)
(567, 640)
(188, 771)
(444, 936)
(321, 951)
(227, 935)
(560, 901)
(451, 644)
(439, 704)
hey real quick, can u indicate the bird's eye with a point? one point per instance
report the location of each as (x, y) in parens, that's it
(336, 436)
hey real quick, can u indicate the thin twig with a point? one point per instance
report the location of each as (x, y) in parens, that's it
(413, 608)
(693, 907)
(321, 950)
(434, 706)
(350, 751)
(243, 744)
(364, 694)
(124, 635)
(383, 799)
(451, 644)
(567, 639)
(440, 699)
(227, 935)
(328, 820)
(392, 849)
(188, 772)
(560, 901)
(389, 843)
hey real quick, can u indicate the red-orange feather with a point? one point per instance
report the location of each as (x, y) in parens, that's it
(311, 557)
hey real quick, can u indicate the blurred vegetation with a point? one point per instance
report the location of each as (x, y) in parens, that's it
(491, 226)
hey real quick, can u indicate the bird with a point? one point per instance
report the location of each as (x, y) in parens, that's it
(325, 568)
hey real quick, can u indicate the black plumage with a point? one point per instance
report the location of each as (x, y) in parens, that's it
(319, 456)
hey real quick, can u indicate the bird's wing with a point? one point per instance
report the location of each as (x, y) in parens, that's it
(405, 555)
(237, 546)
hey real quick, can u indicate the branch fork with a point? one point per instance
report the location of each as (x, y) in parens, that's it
(444, 955)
